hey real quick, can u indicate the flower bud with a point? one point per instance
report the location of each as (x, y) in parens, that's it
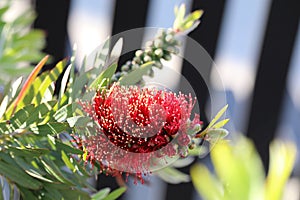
(125, 68)
(159, 52)
(167, 57)
(147, 58)
(169, 38)
(138, 53)
(158, 43)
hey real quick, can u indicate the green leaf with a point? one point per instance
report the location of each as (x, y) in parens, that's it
(282, 160)
(136, 75)
(116, 52)
(214, 120)
(63, 113)
(179, 16)
(172, 175)
(74, 194)
(4, 9)
(239, 167)
(18, 121)
(115, 194)
(67, 161)
(25, 19)
(99, 58)
(216, 134)
(221, 123)
(30, 170)
(28, 152)
(217, 117)
(14, 88)
(27, 194)
(64, 81)
(198, 151)
(50, 128)
(39, 112)
(80, 121)
(106, 74)
(3, 106)
(52, 169)
(67, 148)
(101, 194)
(44, 81)
(52, 194)
(18, 176)
(195, 15)
(205, 183)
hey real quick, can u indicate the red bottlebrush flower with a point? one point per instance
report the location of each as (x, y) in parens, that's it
(138, 127)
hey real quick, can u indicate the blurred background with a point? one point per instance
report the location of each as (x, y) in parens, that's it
(255, 45)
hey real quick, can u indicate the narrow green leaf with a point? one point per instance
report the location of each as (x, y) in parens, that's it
(80, 121)
(18, 121)
(4, 9)
(106, 74)
(221, 123)
(99, 57)
(193, 16)
(25, 19)
(18, 176)
(179, 16)
(217, 117)
(14, 88)
(115, 194)
(52, 193)
(282, 160)
(50, 128)
(172, 175)
(3, 106)
(63, 113)
(198, 151)
(55, 171)
(67, 161)
(206, 185)
(39, 112)
(101, 194)
(116, 52)
(45, 79)
(136, 75)
(27, 194)
(67, 148)
(64, 82)
(75, 194)
(30, 170)
(216, 134)
(28, 152)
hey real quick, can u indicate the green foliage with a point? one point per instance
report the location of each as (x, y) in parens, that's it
(18, 43)
(240, 174)
(35, 160)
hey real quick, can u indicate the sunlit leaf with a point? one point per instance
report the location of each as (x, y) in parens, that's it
(101, 194)
(172, 175)
(282, 159)
(136, 75)
(50, 128)
(106, 74)
(16, 175)
(218, 116)
(206, 185)
(115, 194)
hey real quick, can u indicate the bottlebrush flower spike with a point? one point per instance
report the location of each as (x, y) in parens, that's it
(138, 128)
